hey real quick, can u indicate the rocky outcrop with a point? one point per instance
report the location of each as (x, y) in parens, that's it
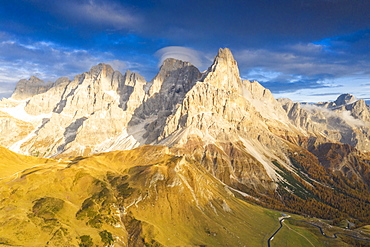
(345, 99)
(359, 110)
(28, 88)
(224, 72)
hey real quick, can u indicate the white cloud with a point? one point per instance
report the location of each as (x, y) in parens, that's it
(344, 115)
(117, 65)
(182, 53)
(306, 48)
(105, 13)
(44, 60)
(305, 71)
(281, 61)
(305, 59)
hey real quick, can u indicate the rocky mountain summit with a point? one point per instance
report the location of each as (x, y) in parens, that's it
(28, 88)
(277, 153)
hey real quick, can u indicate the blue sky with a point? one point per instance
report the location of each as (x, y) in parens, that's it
(307, 50)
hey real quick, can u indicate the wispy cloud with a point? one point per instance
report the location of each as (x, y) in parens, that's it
(306, 59)
(343, 115)
(97, 14)
(46, 60)
(117, 64)
(294, 67)
(287, 86)
(297, 59)
(197, 58)
(107, 13)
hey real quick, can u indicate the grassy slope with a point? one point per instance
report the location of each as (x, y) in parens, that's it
(133, 198)
(167, 201)
(11, 162)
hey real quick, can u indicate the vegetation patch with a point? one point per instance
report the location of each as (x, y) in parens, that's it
(86, 241)
(106, 237)
(47, 207)
(292, 183)
(300, 169)
(354, 242)
(97, 208)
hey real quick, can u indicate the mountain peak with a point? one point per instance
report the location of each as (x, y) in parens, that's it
(172, 64)
(224, 57)
(225, 53)
(345, 99)
(174, 72)
(131, 78)
(27, 88)
(35, 80)
(224, 72)
(101, 68)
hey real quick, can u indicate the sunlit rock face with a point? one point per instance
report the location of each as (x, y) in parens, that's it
(72, 117)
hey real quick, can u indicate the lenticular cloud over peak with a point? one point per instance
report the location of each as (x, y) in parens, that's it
(182, 53)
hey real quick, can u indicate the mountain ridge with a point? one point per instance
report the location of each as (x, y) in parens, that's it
(280, 152)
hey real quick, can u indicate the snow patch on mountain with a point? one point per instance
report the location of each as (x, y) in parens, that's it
(18, 112)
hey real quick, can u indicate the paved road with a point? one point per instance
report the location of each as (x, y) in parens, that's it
(335, 235)
(273, 235)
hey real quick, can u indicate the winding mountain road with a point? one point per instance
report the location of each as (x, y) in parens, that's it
(273, 235)
(335, 235)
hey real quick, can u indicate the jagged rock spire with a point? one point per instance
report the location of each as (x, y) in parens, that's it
(103, 69)
(345, 99)
(224, 72)
(174, 71)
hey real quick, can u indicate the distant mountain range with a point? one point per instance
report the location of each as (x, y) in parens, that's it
(209, 130)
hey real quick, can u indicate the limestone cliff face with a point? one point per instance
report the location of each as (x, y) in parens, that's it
(337, 134)
(13, 130)
(345, 99)
(224, 105)
(359, 110)
(43, 103)
(97, 111)
(220, 120)
(69, 116)
(131, 91)
(165, 92)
